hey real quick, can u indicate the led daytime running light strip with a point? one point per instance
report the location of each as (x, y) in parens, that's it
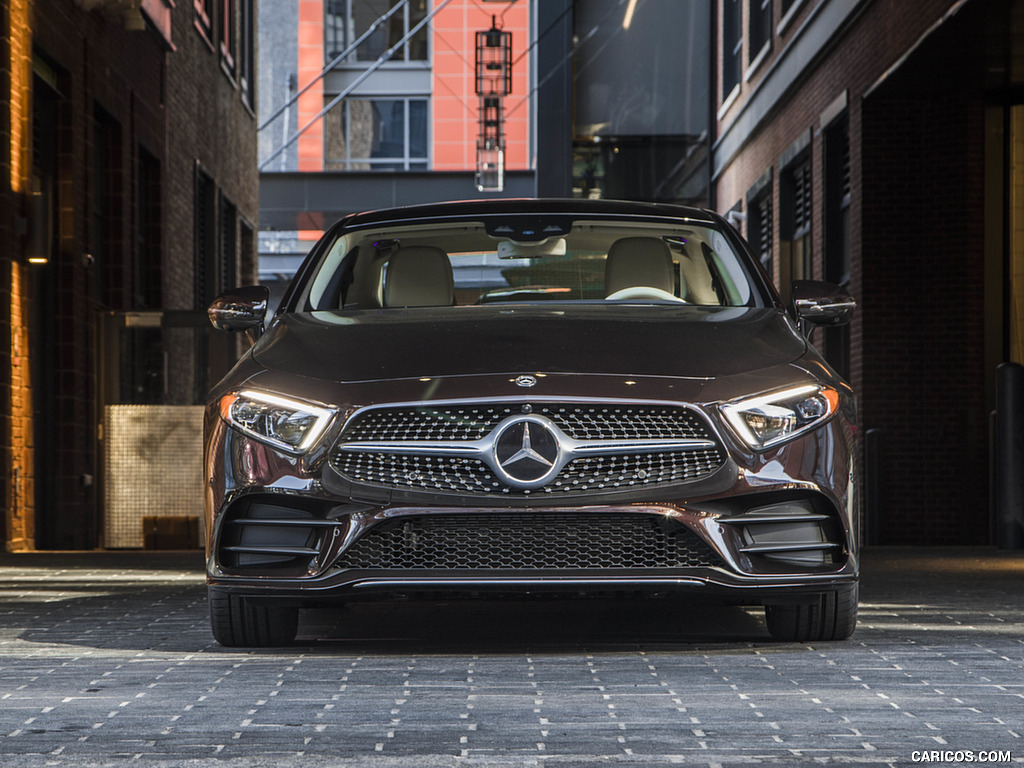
(322, 416)
(735, 412)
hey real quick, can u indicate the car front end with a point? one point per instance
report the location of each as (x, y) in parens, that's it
(522, 446)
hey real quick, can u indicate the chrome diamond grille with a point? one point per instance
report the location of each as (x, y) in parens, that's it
(622, 422)
(427, 423)
(412, 448)
(527, 541)
(610, 473)
(583, 421)
(597, 474)
(431, 473)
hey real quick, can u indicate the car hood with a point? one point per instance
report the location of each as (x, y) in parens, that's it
(657, 340)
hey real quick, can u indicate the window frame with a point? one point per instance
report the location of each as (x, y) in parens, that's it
(408, 161)
(336, 41)
(228, 38)
(732, 49)
(796, 221)
(247, 53)
(762, 11)
(760, 214)
(203, 13)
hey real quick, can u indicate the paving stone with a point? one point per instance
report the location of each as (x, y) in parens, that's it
(107, 658)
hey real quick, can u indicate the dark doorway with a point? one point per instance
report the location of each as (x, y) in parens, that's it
(43, 290)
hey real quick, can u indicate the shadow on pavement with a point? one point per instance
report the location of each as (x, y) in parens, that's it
(157, 602)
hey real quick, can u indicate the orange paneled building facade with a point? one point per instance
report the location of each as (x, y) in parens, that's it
(427, 87)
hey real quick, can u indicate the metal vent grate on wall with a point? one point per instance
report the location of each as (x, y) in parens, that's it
(152, 467)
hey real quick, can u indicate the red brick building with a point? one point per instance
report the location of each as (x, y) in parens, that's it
(878, 144)
(129, 192)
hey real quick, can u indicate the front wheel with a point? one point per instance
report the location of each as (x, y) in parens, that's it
(239, 623)
(832, 616)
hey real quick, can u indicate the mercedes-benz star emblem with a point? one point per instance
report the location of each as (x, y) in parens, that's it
(526, 452)
(526, 381)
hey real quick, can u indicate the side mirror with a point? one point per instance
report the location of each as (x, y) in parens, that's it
(242, 309)
(822, 303)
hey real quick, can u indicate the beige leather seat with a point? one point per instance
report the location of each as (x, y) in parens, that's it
(419, 276)
(639, 261)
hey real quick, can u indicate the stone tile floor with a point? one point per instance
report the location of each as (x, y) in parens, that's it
(106, 660)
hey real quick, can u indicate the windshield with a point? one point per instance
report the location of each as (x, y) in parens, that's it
(467, 263)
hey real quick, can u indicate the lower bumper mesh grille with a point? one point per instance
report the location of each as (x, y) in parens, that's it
(528, 541)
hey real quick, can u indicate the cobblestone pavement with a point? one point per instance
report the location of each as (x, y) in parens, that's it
(106, 659)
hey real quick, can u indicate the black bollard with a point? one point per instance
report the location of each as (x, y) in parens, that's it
(1009, 456)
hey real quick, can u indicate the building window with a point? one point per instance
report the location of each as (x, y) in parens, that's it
(205, 262)
(759, 228)
(107, 199)
(377, 135)
(148, 265)
(227, 35)
(760, 34)
(227, 245)
(203, 12)
(246, 53)
(732, 46)
(346, 21)
(837, 233)
(795, 235)
(837, 202)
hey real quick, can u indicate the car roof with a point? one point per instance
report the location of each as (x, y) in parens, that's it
(525, 207)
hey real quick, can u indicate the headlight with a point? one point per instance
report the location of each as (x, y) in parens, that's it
(290, 425)
(771, 419)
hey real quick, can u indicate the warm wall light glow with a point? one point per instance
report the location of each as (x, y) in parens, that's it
(21, 45)
(20, 515)
(628, 18)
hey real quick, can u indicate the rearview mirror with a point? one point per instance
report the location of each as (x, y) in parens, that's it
(551, 246)
(822, 303)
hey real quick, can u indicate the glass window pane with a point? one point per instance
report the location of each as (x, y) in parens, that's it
(418, 128)
(360, 129)
(364, 13)
(336, 138)
(376, 134)
(417, 48)
(389, 138)
(335, 23)
(732, 41)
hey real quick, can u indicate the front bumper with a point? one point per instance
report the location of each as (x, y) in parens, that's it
(779, 527)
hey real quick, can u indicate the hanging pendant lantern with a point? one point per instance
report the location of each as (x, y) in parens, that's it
(493, 62)
(493, 83)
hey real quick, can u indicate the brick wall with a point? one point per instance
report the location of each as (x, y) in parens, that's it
(20, 498)
(15, 405)
(916, 163)
(117, 95)
(208, 126)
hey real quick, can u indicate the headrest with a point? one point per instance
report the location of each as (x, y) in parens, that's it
(419, 276)
(636, 261)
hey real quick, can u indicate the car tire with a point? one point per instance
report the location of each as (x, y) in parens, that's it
(832, 616)
(238, 623)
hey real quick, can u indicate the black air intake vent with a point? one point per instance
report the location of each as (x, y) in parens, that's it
(261, 535)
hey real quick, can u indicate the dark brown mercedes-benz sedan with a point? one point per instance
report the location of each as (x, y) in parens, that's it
(531, 396)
